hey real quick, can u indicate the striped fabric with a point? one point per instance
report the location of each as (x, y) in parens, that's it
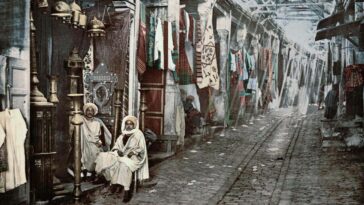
(142, 41)
(142, 50)
(183, 69)
(198, 52)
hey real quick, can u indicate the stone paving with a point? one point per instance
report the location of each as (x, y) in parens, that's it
(203, 174)
(304, 175)
(277, 160)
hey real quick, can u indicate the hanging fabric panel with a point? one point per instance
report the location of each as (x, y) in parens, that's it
(184, 70)
(142, 42)
(210, 76)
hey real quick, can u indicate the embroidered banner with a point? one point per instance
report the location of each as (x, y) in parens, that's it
(210, 75)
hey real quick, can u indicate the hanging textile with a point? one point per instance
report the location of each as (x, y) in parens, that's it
(171, 65)
(15, 128)
(165, 43)
(191, 32)
(198, 50)
(189, 48)
(88, 69)
(210, 75)
(111, 50)
(336, 69)
(184, 71)
(2, 75)
(353, 76)
(142, 42)
(151, 40)
(244, 66)
(187, 24)
(3, 151)
(232, 61)
(159, 45)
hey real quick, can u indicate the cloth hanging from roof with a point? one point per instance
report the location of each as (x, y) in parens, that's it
(3, 151)
(111, 50)
(353, 76)
(187, 24)
(151, 39)
(232, 61)
(239, 69)
(184, 71)
(198, 50)
(15, 128)
(210, 76)
(159, 44)
(336, 69)
(88, 69)
(171, 65)
(142, 42)
(191, 32)
(2, 75)
(165, 43)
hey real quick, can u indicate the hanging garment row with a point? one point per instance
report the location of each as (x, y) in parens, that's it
(13, 131)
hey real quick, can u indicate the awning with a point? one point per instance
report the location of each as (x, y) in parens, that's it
(331, 20)
(346, 29)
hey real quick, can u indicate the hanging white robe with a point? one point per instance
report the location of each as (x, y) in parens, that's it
(171, 65)
(158, 44)
(16, 130)
(118, 169)
(90, 135)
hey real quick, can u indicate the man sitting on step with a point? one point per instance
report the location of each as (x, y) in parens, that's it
(128, 155)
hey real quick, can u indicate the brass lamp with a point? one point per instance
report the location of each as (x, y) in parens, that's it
(61, 10)
(74, 64)
(76, 12)
(42, 5)
(96, 28)
(82, 20)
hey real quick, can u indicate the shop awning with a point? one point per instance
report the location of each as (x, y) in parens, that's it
(330, 21)
(347, 29)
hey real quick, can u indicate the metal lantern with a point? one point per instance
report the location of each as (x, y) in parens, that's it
(76, 12)
(42, 4)
(96, 28)
(61, 10)
(74, 64)
(82, 20)
(53, 98)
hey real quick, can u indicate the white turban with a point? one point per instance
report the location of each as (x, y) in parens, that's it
(90, 105)
(135, 122)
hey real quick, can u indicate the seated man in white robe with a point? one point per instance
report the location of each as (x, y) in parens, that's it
(127, 156)
(95, 138)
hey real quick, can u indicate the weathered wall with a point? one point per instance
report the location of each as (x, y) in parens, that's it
(14, 43)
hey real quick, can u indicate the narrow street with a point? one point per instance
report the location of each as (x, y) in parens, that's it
(283, 163)
(181, 102)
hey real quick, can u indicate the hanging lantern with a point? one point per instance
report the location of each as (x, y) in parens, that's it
(95, 28)
(42, 4)
(61, 10)
(74, 61)
(74, 65)
(83, 20)
(76, 12)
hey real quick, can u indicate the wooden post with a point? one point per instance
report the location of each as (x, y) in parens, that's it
(143, 108)
(40, 132)
(117, 105)
(77, 122)
(53, 98)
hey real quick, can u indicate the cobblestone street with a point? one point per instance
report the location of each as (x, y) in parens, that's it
(276, 160)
